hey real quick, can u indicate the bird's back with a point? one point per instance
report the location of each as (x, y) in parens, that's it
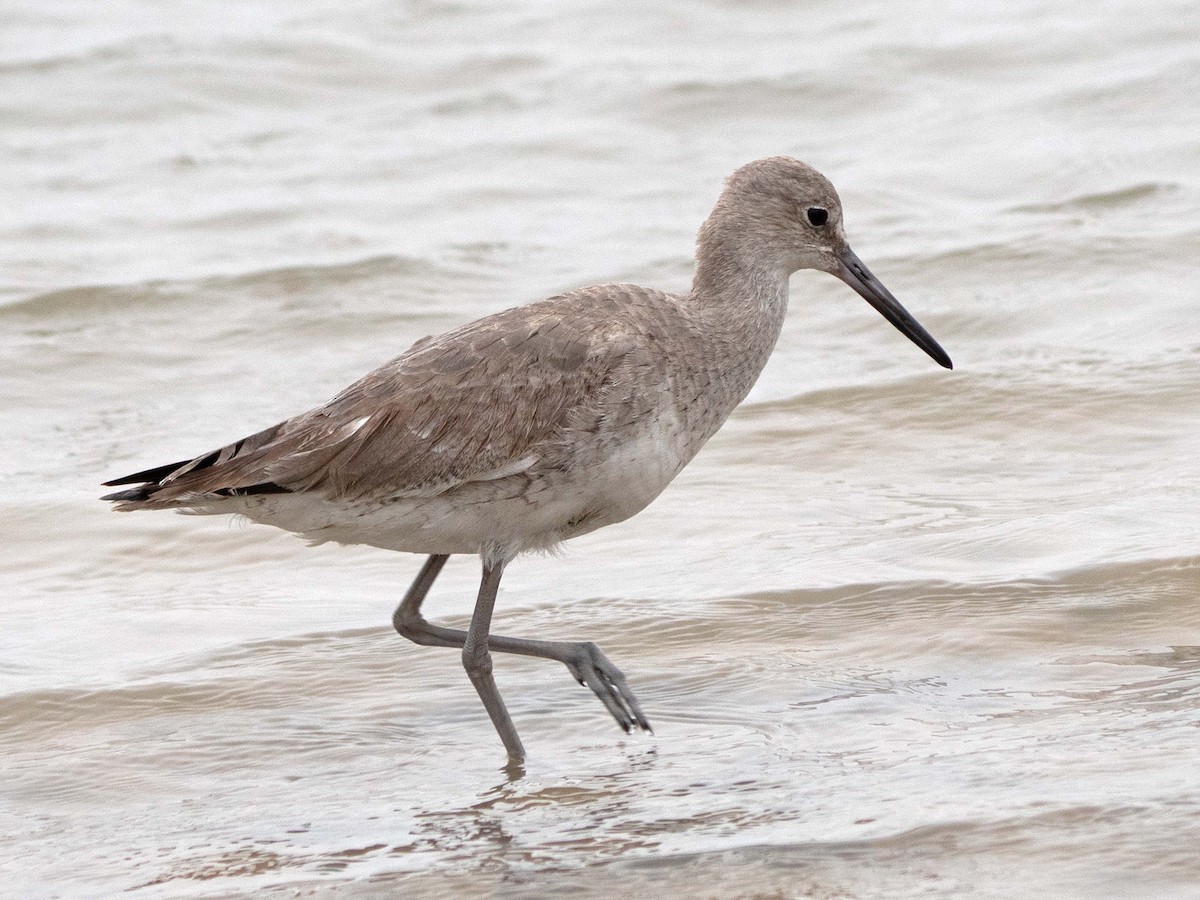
(543, 390)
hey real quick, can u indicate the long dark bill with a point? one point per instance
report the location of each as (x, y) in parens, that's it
(859, 277)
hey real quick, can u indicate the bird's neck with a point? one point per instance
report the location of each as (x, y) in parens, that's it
(741, 299)
(740, 291)
(739, 305)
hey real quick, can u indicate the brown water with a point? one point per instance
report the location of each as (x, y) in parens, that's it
(901, 632)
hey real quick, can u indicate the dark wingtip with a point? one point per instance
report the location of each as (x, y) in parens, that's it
(157, 474)
(140, 493)
(146, 491)
(263, 487)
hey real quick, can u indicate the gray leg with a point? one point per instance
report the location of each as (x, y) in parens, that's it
(478, 662)
(583, 659)
(407, 618)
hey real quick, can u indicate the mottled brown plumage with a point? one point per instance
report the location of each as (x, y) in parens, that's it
(442, 414)
(539, 423)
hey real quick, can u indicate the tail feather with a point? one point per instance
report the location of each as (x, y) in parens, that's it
(227, 472)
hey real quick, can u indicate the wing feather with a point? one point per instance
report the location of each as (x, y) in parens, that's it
(443, 413)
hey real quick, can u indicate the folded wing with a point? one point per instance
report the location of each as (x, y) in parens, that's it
(438, 416)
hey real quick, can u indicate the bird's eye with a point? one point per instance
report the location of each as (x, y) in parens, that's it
(817, 216)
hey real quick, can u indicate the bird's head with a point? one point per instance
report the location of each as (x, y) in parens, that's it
(786, 216)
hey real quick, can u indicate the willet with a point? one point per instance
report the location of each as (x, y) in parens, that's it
(540, 423)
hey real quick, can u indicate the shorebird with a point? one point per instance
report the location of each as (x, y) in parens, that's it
(538, 424)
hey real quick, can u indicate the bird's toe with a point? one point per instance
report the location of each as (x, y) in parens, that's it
(593, 669)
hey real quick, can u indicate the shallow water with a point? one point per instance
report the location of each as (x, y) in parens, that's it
(901, 632)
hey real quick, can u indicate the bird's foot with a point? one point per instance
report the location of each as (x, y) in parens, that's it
(592, 668)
